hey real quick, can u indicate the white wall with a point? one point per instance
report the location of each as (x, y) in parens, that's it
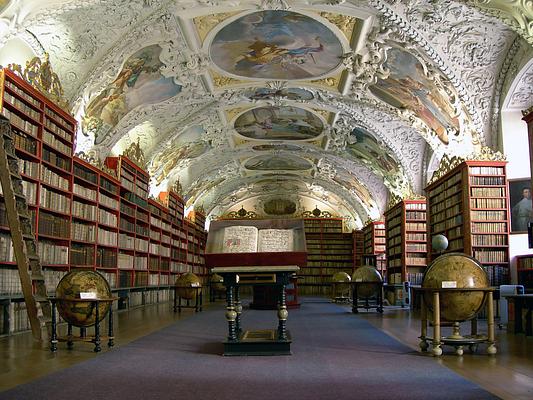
(516, 148)
(15, 51)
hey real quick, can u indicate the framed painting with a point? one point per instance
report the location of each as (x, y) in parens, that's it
(520, 204)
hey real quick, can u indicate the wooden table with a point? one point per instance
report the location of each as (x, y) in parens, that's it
(520, 303)
(70, 338)
(456, 340)
(258, 342)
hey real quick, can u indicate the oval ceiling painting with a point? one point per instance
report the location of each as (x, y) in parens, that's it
(279, 123)
(277, 163)
(276, 44)
(276, 147)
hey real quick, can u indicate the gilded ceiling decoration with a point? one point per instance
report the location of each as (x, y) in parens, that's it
(285, 105)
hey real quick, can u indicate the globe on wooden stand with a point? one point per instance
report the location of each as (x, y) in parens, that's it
(188, 287)
(216, 286)
(455, 271)
(73, 286)
(340, 284)
(367, 283)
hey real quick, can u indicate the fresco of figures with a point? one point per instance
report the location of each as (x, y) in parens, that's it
(408, 87)
(364, 146)
(352, 184)
(277, 163)
(138, 82)
(279, 123)
(187, 145)
(276, 44)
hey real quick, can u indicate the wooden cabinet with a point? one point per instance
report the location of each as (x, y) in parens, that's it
(375, 244)
(406, 242)
(358, 247)
(469, 204)
(524, 269)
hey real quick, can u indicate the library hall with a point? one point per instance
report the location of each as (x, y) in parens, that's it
(266, 199)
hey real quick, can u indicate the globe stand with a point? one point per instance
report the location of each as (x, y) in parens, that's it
(339, 292)
(178, 298)
(70, 338)
(356, 288)
(455, 339)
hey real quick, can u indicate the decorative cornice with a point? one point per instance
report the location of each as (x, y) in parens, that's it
(135, 154)
(447, 163)
(40, 75)
(177, 188)
(345, 23)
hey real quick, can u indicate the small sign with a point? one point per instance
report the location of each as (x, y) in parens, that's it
(449, 284)
(88, 295)
(359, 279)
(195, 284)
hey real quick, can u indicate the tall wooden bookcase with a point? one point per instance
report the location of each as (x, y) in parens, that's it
(86, 218)
(358, 247)
(406, 242)
(329, 250)
(469, 204)
(375, 244)
(524, 269)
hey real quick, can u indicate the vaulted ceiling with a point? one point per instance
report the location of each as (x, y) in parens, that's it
(281, 106)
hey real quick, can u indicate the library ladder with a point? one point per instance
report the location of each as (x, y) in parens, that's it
(23, 239)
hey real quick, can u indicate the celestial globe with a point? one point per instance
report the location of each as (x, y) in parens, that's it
(76, 284)
(186, 285)
(365, 274)
(456, 270)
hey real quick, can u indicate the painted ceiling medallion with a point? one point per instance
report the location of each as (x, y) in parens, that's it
(276, 44)
(279, 123)
(277, 163)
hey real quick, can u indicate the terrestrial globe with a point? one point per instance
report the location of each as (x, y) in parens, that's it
(439, 243)
(460, 271)
(186, 285)
(82, 313)
(341, 277)
(371, 276)
(217, 283)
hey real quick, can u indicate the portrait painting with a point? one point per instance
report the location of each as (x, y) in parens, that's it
(276, 44)
(277, 163)
(520, 204)
(408, 87)
(279, 123)
(138, 82)
(362, 145)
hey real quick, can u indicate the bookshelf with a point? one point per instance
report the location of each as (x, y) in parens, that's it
(374, 242)
(358, 247)
(469, 204)
(329, 250)
(88, 217)
(406, 242)
(524, 268)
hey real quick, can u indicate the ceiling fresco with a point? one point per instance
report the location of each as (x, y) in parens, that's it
(284, 105)
(279, 123)
(276, 44)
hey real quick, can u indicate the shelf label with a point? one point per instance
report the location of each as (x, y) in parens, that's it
(359, 279)
(449, 284)
(88, 295)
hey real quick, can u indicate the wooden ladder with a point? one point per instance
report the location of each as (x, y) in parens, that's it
(24, 244)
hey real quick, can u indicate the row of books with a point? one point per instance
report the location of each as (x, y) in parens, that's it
(53, 127)
(20, 105)
(487, 180)
(52, 140)
(51, 178)
(486, 170)
(58, 160)
(22, 124)
(446, 203)
(15, 89)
